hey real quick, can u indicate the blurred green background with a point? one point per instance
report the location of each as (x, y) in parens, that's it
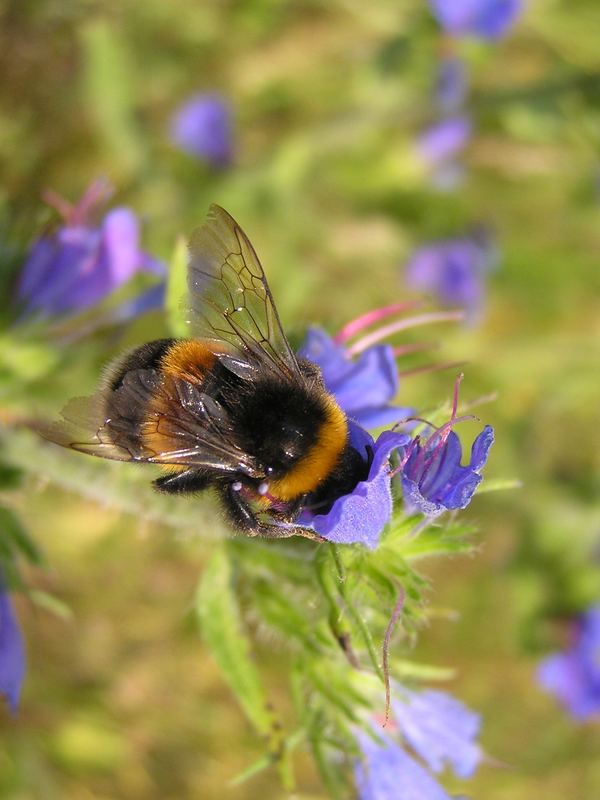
(121, 700)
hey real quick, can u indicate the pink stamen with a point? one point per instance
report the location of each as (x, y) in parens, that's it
(402, 325)
(362, 322)
(76, 214)
(407, 454)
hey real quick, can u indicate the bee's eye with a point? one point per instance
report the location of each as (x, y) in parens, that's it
(269, 470)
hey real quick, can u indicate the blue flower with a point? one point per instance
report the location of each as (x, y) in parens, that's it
(12, 653)
(444, 140)
(361, 515)
(433, 479)
(573, 676)
(488, 19)
(202, 127)
(82, 262)
(386, 772)
(440, 729)
(363, 386)
(454, 270)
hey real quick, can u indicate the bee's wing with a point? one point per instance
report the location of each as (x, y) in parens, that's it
(154, 419)
(230, 297)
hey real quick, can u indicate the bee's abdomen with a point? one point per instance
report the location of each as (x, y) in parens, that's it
(136, 424)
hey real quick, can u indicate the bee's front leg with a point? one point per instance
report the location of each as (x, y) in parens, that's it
(245, 520)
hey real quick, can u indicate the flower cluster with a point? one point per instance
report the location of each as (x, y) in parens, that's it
(84, 261)
(440, 730)
(573, 675)
(363, 377)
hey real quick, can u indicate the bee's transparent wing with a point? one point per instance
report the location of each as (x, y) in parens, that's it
(230, 297)
(179, 425)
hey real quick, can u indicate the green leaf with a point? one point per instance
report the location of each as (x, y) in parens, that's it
(15, 538)
(109, 94)
(219, 617)
(52, 604)
(177, 289)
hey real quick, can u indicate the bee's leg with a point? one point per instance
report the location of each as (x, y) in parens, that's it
(245, 520)
(189, 480)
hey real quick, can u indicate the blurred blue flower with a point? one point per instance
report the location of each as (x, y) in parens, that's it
(361, 515)
(363, 386)
(452, 85)
(83, 262)
(386, 772)
(439, 728)
(488, 19)
(202, 127)
(12, 653)
(443, 141)
(573, 676)
(454, 271)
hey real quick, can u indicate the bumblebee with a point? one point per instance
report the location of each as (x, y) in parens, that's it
(232, 408)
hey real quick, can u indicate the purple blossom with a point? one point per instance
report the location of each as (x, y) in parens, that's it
(362, 386)
(452, 86)
(202, 127)
(83, 262)
(386, 772)
(12, 653)
(433, 479)
(454, 270)
(488, 19)
(360, 517)
(443, 141)
(440, 729)
(573, 675)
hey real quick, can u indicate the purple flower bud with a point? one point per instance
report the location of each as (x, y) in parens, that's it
(386, 772)
(488, 19)
(440, 729)
(361, 515)
(454, 270)
(364, 386)
(444, 140)
(202, 127)
(83, 262)
(12, 653)
(573, 676)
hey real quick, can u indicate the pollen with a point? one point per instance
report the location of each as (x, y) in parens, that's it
(318, 463)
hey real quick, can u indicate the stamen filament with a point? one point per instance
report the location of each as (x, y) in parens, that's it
(402, 325)
(360, 323)
(431, 368)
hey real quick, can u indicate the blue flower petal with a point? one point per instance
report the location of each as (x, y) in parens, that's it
(12, 653)
(440, 729)
(573, 676)
(481, 448)
(363, 386)
(489, 19)
(386, 772)
(360, 517)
